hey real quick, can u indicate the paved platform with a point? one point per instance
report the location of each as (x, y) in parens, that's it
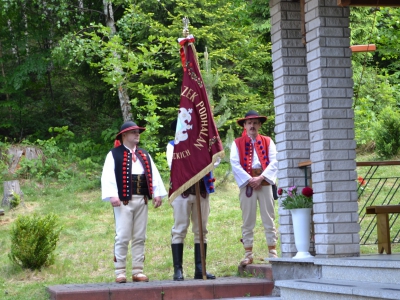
(247, 287)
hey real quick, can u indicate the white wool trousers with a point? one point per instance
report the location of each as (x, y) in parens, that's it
(248, 205)
(185, 210)
(130, 226)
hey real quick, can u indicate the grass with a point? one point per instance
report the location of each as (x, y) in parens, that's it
(84, 253)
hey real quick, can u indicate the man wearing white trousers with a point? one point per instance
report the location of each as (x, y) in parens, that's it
(254, 166)
(185, 210)
(129, 179)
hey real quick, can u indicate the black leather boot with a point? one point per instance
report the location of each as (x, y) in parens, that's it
(177, 257)
(198, 273)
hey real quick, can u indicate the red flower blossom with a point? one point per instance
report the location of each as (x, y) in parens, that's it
(361, 180)
(307, 191)
(280, 191)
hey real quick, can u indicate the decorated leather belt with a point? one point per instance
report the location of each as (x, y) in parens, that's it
(139, 185)
(257, 172)
(192, 190)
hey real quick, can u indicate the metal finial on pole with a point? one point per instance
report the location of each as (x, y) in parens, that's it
(186, 22)
(206, 55)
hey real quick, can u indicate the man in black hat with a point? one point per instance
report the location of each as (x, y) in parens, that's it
(255, 168)
(129, 179)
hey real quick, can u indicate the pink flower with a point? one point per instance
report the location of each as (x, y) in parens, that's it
(307, 191)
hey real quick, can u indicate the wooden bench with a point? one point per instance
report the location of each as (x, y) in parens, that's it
(382, 223)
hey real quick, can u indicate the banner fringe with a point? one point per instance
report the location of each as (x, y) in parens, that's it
(197, 177)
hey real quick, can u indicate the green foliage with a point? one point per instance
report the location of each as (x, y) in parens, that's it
(64, 160)
(4, 161)
(387, 133)
(15, 199)
(33, 241)
(374, 92)
(64, 67)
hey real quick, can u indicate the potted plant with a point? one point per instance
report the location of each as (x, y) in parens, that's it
(300, 206)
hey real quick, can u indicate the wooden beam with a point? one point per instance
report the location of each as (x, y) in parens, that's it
(363, 48)
(371, 3)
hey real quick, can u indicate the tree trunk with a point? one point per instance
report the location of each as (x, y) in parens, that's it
(122, 93)
(10, 188)
(16, 153)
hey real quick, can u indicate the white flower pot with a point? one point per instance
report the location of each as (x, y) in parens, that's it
(301, 218)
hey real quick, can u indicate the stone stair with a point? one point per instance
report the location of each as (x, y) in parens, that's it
(254, 284)
(364, 277)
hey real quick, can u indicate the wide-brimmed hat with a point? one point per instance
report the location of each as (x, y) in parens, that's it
(128, 125)
(252, 114)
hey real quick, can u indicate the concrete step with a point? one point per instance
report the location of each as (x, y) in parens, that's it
(220, 288)
(334, 289)
(254, 298)
(381, 268)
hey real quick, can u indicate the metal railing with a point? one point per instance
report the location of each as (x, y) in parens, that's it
(374, 188)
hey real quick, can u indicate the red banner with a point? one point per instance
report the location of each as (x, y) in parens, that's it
(197, 145)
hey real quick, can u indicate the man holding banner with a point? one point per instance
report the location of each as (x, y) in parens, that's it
(197, 145)
(185, 210)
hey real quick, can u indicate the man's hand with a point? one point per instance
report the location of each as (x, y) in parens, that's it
(255, 182)
(157, 201)
(115, 201)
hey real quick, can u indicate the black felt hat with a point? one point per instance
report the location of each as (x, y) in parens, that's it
(252, 114)
(128, 125)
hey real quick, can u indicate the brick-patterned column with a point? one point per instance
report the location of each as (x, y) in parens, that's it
(331, 129)
(291, 105)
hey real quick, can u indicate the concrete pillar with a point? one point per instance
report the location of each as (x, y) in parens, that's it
(291, 105)
(331, 129)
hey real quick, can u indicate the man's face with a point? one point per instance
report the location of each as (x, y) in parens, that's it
(132, 136)
(252, 126)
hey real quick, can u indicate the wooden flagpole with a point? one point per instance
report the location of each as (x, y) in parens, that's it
(202, 249)
(185, 21)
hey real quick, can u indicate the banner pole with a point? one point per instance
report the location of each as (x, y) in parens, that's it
(202, 252)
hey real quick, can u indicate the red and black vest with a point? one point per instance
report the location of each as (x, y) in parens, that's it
(245, 148)
(123, 171)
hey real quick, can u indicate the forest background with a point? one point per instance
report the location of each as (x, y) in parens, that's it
(73, 71)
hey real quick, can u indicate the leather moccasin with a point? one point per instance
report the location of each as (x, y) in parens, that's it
(248, 259)
(272, 253)
(140, 277)
(120, 279)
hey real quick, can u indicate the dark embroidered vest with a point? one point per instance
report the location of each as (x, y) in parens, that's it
(123, 171)
(245, 148)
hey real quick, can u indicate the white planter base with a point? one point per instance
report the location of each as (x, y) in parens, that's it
(302, 255)
(301, 218)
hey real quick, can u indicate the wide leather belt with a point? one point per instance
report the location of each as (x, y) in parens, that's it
(257, 172)
(192, 190)
(139, 184)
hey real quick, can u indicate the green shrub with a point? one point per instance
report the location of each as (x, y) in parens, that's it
(15, 200)
(387, 133)
(33, 241)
